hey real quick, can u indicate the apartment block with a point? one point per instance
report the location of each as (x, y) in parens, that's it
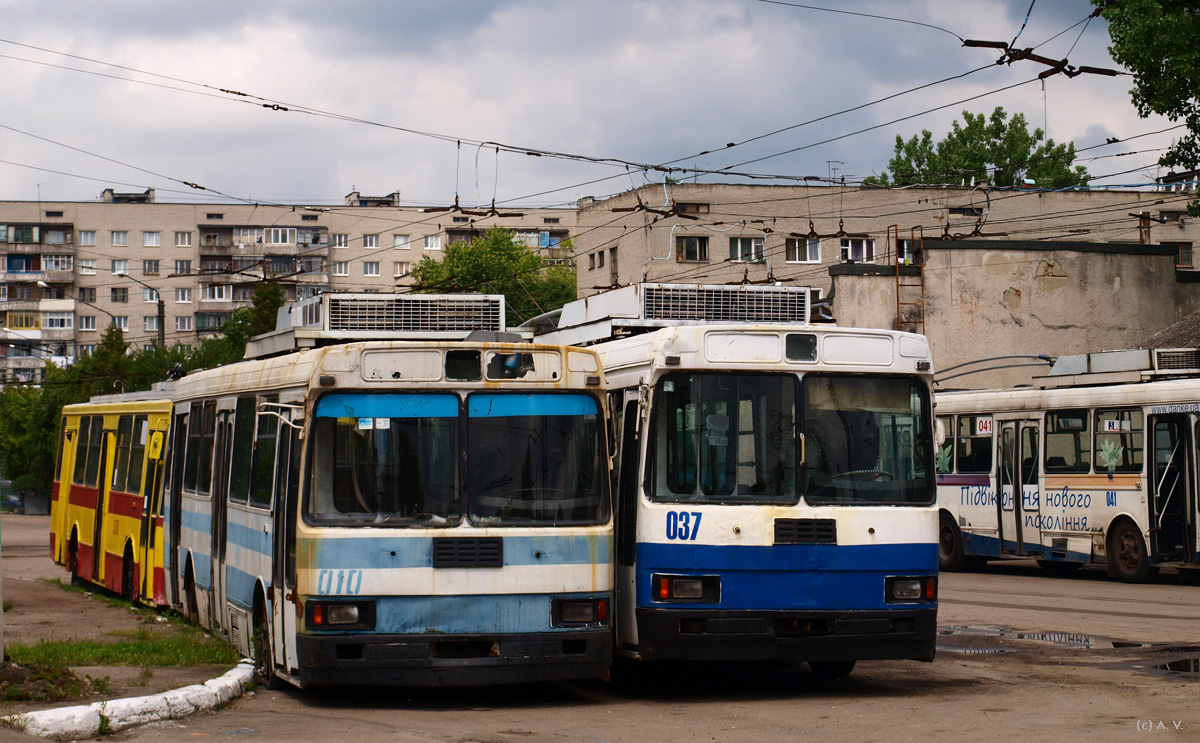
(73, 268)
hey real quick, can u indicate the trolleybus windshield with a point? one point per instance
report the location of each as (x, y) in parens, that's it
(398, 459)
(867, 440)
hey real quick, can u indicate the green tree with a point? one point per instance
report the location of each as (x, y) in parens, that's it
(1157, 41)
(496, 263)
(994, 149)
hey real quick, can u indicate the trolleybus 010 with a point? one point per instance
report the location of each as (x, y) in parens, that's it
(412, 512)
(774, 479)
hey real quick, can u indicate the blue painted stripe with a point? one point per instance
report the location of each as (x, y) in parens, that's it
(375, 552)
(202, 565)
(497, 406)
(255, 540)
(802, 576)
(239, 587)
(985, 546)
(489, 614)
(416, 405)
(197, 522)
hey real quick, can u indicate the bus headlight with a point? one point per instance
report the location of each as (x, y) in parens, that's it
(340, 614)
(688, 588)
(916, 590)
(578, 612)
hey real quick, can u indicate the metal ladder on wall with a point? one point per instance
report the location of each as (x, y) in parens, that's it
(910, 283)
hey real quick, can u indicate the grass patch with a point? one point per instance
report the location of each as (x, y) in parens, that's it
(97, 593)
(42, 684)
(186, 646)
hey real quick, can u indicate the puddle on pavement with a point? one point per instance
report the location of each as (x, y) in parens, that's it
(1069, 640)
(1185, 665)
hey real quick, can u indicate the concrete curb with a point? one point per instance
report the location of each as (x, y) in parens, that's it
(73, 723)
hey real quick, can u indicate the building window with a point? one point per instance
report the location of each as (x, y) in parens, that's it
(433, 242)
(803, 250)
(691, 248)
(150, 268)
(118, 294)
(214, 292)
(151, 240)
(183, 267)
(24, 320)
(370, 241)
(121, 322)
(858, 250)
(52, 214)
(1184, 251)
(691, 208)
(403, 268)
(87, 349)
(87, 237)
(281, 236)
(183, 239)
(599, 259)
(55, 237)
(150, 323)
(370, 268)
(400, 242)
(183, 296)
(248, 235)
(184, 323)
(120, 267)
(746, 249)
(120, 237)
(591, 261)
(341, 268)
(149, 295)
(87, 322)
(87, 266)
(58, 320)
(308, 217)
(214, 215)
(58, 263)
(550, 220)
(339, 241)
(86, 294)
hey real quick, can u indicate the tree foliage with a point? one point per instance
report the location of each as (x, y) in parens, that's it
(496, 263)
(29, 414)
(995, 149)
(1157, 40)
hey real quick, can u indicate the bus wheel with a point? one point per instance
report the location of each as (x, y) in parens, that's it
(951, 555)
(830, 670)
(73, 561)
(128, 582)
(1127, 554)
(264, 659)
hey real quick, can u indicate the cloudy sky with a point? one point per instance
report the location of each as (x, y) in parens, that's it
(409, 96)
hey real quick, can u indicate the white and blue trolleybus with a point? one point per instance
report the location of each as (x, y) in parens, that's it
(774, 478)
(430, 511)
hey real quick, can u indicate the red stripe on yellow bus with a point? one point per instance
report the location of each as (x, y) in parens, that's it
(83, 497)
(124, 504)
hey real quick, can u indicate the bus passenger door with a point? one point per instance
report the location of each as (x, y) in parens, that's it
(627, 496)
(151, 537)
(1008, 519)
(172, 556)
(1169, 497)
(108, 441)
(1030, 459)
(220, 508)
(283, 602)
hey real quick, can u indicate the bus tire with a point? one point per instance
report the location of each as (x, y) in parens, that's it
(1127, 558)
(191, 607)
(831, 670)
(264, 659)
(73, 560)
(952, 556)
(128, 570)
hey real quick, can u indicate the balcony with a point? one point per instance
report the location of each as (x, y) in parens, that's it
(65, 248)
(22, 362)
(60, 277)
(317, 277)
(19, 305)
(25, 277)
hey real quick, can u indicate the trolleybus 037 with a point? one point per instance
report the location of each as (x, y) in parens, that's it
(774, 479)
